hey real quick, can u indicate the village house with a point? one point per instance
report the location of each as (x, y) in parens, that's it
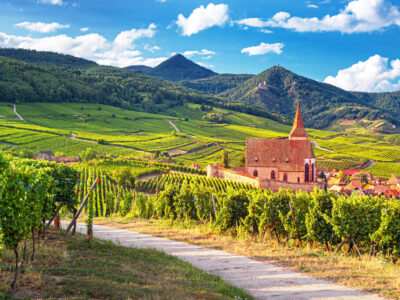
(277, 163)
(49, 156)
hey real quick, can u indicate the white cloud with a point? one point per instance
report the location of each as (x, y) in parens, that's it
(162, 1)
(204, 64)
(120, 52)
(372, 75)
(202, 18)
(264, 48)
(252, 22)
(357, 16)
(206, 54)
(312, 6)
(41, 27)
(84, 29)
(52, 2)
(151, 48)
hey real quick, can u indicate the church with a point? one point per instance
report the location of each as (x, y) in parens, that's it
(276, 163)
(289, 160)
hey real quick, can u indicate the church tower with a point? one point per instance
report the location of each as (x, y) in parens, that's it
(298, 132)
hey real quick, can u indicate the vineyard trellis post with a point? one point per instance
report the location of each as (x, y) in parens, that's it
(81, 207)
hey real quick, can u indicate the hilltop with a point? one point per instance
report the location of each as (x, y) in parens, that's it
(176, 68)
(46, 58)
(280, 90)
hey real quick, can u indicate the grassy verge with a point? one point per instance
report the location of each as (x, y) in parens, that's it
(373, 275)
(78, 269)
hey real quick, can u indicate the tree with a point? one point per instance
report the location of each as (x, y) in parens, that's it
(89, 154)
(125, 177)
(225, 159)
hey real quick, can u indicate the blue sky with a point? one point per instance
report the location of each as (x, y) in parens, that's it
(351, 44)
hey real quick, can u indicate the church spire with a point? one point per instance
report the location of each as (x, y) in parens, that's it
(298, 131)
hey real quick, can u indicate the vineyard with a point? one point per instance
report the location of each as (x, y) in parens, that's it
(214, 184)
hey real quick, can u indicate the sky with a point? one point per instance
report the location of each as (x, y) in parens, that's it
(351, 44)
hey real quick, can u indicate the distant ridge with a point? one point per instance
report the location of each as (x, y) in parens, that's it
(176, 68)
(280, 90)
(46, 58)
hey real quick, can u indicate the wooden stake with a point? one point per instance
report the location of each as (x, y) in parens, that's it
(84, 202)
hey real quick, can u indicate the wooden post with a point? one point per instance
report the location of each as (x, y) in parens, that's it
(84, 202)
(295, 225)
(53, 217)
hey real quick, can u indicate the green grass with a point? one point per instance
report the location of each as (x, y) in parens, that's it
(75, 268)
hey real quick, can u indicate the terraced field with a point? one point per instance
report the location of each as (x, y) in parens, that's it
(71, 128)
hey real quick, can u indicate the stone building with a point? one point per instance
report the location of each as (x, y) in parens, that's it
(277, 163)
(290, 160)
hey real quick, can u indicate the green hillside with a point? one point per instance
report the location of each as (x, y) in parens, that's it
(71, 128)
(22, 82)
(321, 103)
(45, 58)
(216, 84)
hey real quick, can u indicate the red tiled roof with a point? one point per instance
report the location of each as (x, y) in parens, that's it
(286, 155)
(350, 172)
(357, 184)
(298, 130)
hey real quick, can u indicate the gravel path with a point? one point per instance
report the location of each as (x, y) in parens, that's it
(173, 125)
(262, 280)
(18, 115)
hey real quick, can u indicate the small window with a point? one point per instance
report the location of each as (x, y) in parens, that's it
(256, 159)
(298, 179)
(285, 177)
(255, 173)
(272, 174)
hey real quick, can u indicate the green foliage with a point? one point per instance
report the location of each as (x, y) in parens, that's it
(216, 84)
(125, 177)
(356, 217)
(225, 159)
(184, 204)
(232, 209)
(88, 154)
(300, 203)
(388, 233)
(213, 117)
(318, 229)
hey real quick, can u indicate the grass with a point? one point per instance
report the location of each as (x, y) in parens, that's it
(78, 269)
(372, 275)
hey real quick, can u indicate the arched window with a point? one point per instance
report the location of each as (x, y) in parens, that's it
(255, 173)
(272, 174)
(307, 173)
(312, 172)
(285, 177)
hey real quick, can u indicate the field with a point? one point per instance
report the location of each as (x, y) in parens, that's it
(62, 270)
(71, 128)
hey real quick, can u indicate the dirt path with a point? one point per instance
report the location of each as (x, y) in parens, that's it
(15, 111)
(262, 280)
(173, 125)
(317, 146)
(369, 164)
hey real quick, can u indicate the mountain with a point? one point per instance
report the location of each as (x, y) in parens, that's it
(23, 82)
(176, 68)
(280, 90)
(216, 84)
(45, 58)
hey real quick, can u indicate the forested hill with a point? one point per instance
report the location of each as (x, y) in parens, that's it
(45, 58)
(176, 68)
(216, 84)
(280, 90)
(22, 82)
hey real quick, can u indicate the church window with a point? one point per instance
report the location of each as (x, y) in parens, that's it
(255, 173)
(272, 174)
(285, 177)
(307, 173)
(312, 172)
